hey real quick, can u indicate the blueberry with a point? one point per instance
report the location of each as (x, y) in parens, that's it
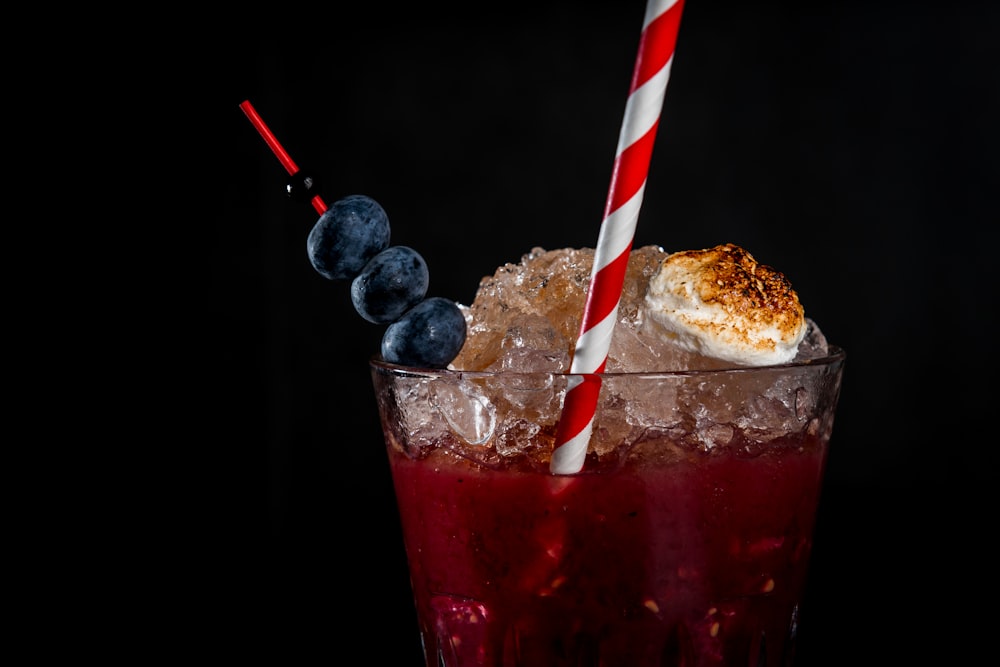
(390, 284)
(348, 234)
(429, 335)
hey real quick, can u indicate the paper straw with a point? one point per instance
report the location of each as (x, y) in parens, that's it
(614, 243)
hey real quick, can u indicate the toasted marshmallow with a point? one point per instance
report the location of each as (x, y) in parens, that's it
(721, 303)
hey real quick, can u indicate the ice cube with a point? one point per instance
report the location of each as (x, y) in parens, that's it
(526, 316)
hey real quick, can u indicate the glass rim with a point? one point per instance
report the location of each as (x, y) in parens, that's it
(835, 355)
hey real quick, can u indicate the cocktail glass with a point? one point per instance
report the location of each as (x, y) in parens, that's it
(685, 539)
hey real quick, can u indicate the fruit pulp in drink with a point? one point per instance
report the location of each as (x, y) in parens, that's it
(696, 558)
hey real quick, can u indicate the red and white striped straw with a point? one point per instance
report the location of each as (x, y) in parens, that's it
(614, 244)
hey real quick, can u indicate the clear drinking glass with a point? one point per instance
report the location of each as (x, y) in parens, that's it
(685, 539)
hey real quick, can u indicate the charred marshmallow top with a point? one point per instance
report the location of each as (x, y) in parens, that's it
(721, 303)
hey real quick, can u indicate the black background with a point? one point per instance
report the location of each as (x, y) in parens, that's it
(853, 145)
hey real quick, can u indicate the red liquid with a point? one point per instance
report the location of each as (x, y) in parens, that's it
(700, 561)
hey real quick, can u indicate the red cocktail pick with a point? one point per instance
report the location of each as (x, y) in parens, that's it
(279, 151)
